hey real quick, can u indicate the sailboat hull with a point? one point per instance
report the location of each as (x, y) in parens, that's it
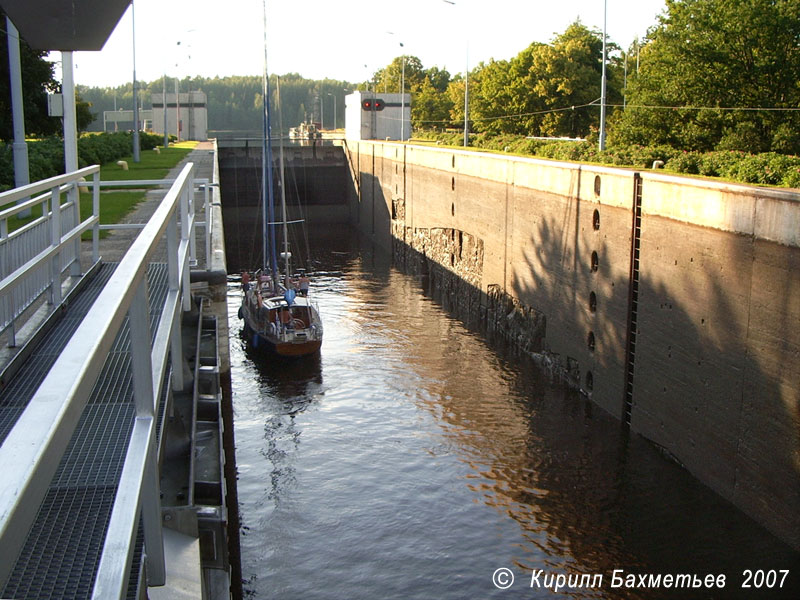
(274, 326)
(288, 349)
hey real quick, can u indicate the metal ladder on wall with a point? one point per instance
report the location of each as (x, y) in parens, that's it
(633, 297)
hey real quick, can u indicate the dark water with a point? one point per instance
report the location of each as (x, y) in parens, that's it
(413, 459)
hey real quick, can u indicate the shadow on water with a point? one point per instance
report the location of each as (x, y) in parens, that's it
(415, 457)
(296, 382)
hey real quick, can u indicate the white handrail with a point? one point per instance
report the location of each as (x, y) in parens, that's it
(25, 253)
(31, 452)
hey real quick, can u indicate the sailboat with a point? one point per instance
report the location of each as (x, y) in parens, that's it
(279, 317)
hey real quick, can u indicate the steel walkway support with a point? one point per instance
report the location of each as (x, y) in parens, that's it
(32, 450)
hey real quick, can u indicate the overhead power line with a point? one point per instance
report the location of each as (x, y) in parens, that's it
(628, 106)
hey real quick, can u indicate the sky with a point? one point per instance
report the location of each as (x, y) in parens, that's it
(339, 39)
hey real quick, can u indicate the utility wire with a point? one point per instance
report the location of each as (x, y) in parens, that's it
(647, 106)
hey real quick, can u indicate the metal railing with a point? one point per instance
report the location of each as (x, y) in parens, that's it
(30, 453)
(28, 268)
(33, 258)
(202, 184)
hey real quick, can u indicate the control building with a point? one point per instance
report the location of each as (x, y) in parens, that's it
(190, 113)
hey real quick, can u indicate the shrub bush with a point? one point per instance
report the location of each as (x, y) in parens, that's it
(768, 168)
(46, 157)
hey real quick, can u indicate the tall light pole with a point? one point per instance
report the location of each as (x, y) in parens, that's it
(164, 94)
(334, 109)
(403, 98)
(466, 88)
(135, 94)
(177, 95)
(603, 83)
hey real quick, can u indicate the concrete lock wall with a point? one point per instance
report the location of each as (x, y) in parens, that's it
(683, 323)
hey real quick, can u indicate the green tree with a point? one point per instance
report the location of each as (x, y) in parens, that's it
(568, 76)
(430, 107)
(490, 104)
(390, 77)
(37, 81)
(704, 56)
(547, 89)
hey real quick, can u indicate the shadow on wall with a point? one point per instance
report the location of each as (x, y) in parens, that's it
(716, 344)
(374, 218)
(588, 497)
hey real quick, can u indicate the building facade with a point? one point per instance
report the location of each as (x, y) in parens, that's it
(187, 118)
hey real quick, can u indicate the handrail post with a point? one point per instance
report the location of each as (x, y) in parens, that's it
(207, 207)
(75, 194)
(192, 219)
(173, 281)
(96, 214)
(55, 264)
(185, 235)
(7, 301)
(144, 400)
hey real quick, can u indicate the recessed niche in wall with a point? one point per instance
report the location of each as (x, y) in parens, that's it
(597, 185)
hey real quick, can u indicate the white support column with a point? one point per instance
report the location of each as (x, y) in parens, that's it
(70, 119)
(20, 146)
(70, 137)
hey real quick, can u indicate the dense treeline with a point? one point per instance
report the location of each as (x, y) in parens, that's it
(234, 103)
(708, 76)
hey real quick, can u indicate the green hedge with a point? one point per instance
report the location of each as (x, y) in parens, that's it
(46, 157)
(768, 168)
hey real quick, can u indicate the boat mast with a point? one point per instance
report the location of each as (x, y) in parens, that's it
(286, 255)
(268, 209)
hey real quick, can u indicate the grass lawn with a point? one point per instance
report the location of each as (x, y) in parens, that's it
(114, 205)
(150, 165)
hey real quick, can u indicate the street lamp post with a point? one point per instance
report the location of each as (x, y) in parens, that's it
(334, 110)
(164, 95)
(466, 89)
(603, 83)
(403, 98)
(135, 91)
(177, 94)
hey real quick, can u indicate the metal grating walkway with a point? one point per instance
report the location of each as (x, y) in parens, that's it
(63, 548)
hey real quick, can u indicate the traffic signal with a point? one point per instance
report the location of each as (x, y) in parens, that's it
(372, 104)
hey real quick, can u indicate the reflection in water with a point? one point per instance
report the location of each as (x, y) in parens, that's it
(411, 460)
